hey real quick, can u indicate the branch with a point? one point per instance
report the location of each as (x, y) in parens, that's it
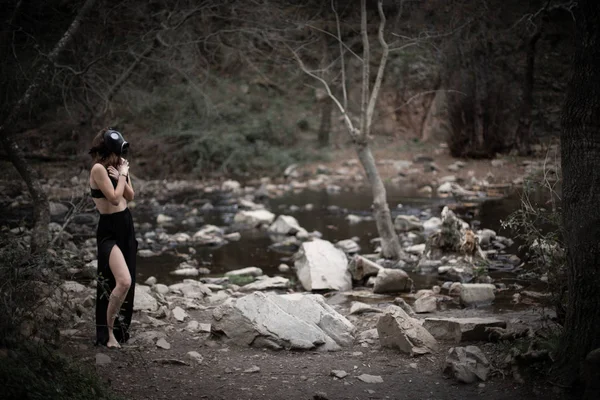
(365, 70)
(382, 63)
(332, 35)
(347, 120)
(39, 78)
(342, 45)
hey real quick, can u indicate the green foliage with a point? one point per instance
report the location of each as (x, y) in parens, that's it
(241, 280)
(538, 224)
(38, 373)
(224, 129)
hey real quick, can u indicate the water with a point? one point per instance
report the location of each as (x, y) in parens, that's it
(328, 216)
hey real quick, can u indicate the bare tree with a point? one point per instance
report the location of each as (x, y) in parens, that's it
(361, 134)
(39, 237)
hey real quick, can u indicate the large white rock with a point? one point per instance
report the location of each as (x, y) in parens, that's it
(143, 300)
(400, 331)
(297, 321)
(466, 364)
(392, 281)
(458, 330)
(477, 294)
(320, 265)
(285, 225)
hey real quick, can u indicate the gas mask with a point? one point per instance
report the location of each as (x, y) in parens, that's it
(115, 143)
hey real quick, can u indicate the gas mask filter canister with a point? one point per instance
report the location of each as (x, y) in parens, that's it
(115, 143)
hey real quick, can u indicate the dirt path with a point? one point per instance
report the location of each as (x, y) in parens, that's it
(141, 370)
(135, 374)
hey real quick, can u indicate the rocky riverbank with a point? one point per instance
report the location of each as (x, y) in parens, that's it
(325, 295)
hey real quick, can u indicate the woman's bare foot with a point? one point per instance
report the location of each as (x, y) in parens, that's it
(113, 343)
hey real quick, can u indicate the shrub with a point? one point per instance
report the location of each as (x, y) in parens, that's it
(538, 224)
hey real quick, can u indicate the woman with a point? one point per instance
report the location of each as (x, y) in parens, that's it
(111, 190)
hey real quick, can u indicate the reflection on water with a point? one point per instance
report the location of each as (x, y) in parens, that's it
(327, 216)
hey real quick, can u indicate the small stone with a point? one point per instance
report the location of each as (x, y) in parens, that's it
(179, 314)
(194, 355)
(163, 344)
(151, 281)
(357, 353)
(283, 268)
(253, 369)
(340, 374)
(370, 378)
(102, 359)
(413, 365)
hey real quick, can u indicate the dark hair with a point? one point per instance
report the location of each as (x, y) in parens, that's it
(100, 153)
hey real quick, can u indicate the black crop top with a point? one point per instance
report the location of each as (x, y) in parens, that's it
(97, 193)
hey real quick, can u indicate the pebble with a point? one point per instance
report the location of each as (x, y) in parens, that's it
(340, 374)
(102, 359)
(163, 344)
(253, 369)
(194, 355)
(370, 378)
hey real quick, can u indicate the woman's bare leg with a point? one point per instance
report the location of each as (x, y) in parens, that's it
(119, 269)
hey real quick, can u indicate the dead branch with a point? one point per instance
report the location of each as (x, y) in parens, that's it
(381, 70)
(365, 71)
(346, 117)
(343, 64)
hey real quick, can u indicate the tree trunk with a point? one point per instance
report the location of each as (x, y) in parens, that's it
(580, 152)
(524, 127)
(325, 126)
(41, 209)
(390, 244)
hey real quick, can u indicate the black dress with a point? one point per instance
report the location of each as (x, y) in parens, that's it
(114, 230)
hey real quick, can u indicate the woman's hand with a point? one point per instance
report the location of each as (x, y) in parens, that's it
(124, 167)
(113, 173)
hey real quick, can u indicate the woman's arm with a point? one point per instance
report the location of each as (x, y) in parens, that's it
(100, 176)
(128, 192)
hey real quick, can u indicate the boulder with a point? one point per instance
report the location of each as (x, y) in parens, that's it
(297, 321)
(416, 249)
(231, 186)
(462, 274)
(400, 331)
(477, 294)
(392, 281)
(191, 289)
(426, 304)
(321, 266)
(407, 223)
(466, 364)
(348, 246)
(486, 236)
(253, 218)
(458, 330)
(432, 224)
(285, 225)
(266, 283)
(57, 210)
(143, 300)
(361, 267)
